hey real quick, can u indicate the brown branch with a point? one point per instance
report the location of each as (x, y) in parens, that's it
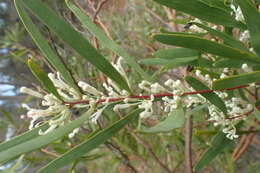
(245, 142)
(99, 7)
(188, 147)
(125, 157)
(112, 146)
(148, 147)
(50, 153)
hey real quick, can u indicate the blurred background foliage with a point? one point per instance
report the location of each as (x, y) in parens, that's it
(130, 23)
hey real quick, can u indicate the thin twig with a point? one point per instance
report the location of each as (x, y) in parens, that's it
(122, 156)
(244, 145)
(50, 153)
(60, 58)
(125, 157)
(148, 147)
(188, 140)
(99, 7)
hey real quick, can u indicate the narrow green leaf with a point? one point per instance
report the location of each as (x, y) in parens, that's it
(252, 16)
(236, 80)
(211, 97)
(229, 63)
(225, 37)
(167, 62)
(219, 143)
(202, 11)
(182, 62)
(104, 40)
(43, 78)
(8, 117)
(174, 120)
(175, 53)
(204, 45)
(22, 138)
(217, 4)
(74, 39)
(34, 141)
(43, 45)
(90, 144)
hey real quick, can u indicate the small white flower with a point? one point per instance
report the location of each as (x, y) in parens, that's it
(73, 133)
(93, 118)
(145, 85)
(244, 36)
(238, 13)
(157, 88)
(147, 105)
(31, 92)
(246, 68)
(171, 103)
(231, 132)
(88, 88)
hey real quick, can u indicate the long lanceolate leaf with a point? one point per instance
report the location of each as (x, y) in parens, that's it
(203, 11)
(252, 17)
(104, 40)
(74, 39)
(175, 120)
(219, 143)
(236, 80)
(43, 78)
(229, 40)
(90, 144)
(34, 141)
(22, 138)
(204, 45)
(43, 45)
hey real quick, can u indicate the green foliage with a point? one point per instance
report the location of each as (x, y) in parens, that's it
(236, 80)
(218, 144)
(75, 40)
(212, 97)
(174, 120)
(203, 11)
(149, 138)
(43, 78)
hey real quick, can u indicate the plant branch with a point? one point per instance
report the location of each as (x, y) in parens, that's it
(148, 147)
(188, 148)
(155, 95)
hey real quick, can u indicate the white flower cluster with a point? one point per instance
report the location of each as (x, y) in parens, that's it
(58, 111)
(170, 103)
(236, 107)
(238, 13)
